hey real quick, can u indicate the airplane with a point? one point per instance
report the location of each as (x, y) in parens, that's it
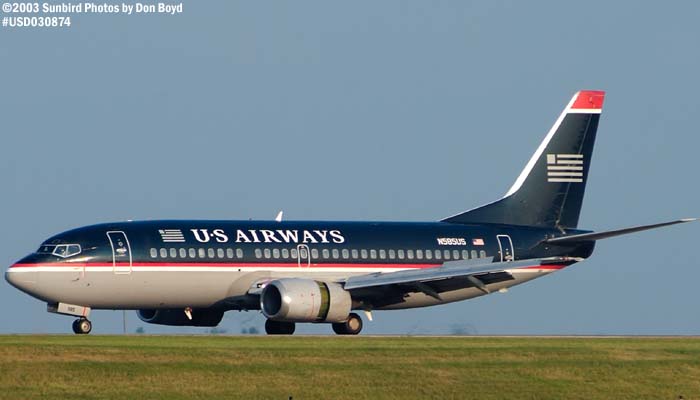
(188, 272)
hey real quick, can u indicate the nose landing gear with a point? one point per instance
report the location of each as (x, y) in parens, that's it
(82, 326)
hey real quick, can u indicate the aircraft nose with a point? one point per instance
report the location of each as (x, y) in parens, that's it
(23, 279)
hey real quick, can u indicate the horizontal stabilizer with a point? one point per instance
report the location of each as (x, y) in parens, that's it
(588, 237)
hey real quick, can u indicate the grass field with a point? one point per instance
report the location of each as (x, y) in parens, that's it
(183, 367)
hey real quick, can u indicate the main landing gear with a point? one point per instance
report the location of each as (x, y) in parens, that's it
(279, 327)
(352, 326)
(82, 326)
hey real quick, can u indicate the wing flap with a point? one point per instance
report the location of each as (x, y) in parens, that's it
(449, 270)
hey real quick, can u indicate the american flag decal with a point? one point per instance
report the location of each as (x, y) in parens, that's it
(565, 168)
(478, 242)
(171, 235)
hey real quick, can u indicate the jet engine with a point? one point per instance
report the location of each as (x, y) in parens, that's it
(305, 300)
(177, 317)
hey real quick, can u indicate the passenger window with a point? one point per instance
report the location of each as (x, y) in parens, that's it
(220, 253)
(373, 254)
(163, 253)
(239, 253)
(229, 253)
(193, 253)
(346, 254)
(154, 253)
(326, 254)
(173, 253)
(482, 254)
(465, 254)
(401, 254)
(295, 254)
(183, 253)
(335, 253)
(258, 253)
(474, 254)
(363, 253)
(455, 254)
(210, 253)
(354, 254)
(201, 253)
(392, 254)
(382, 254)
(275, 253)
(419, 254)
(285, 253)
(314, 253)
(266, 252)
(438, 254)
(446, 254)
(409, 254)
(428, 254)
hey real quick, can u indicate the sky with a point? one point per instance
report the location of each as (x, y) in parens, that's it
(363, 110)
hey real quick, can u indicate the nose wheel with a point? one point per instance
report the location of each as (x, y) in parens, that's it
(82, 326)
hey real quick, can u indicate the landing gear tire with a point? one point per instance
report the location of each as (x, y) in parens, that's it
(352, 326)
(279, 327)
(82, 326)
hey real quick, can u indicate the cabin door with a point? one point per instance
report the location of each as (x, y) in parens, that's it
(121, 252)
(505, 246)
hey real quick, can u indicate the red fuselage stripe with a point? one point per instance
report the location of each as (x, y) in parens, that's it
(234, 265)
(263, 264)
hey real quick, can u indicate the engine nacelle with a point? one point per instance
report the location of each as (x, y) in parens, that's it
(305, 300)
(177, 317)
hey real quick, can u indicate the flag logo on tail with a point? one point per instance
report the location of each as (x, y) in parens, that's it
(565, 168)
(171, 235)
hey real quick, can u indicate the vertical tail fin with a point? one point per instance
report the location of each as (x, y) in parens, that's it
(549, 191)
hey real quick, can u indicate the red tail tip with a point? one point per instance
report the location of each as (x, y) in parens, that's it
(589, 99)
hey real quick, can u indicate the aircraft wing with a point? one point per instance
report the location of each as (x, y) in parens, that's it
(387, 288)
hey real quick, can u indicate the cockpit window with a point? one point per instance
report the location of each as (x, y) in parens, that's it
(46, 249)
(61, 250)
(73, 249)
